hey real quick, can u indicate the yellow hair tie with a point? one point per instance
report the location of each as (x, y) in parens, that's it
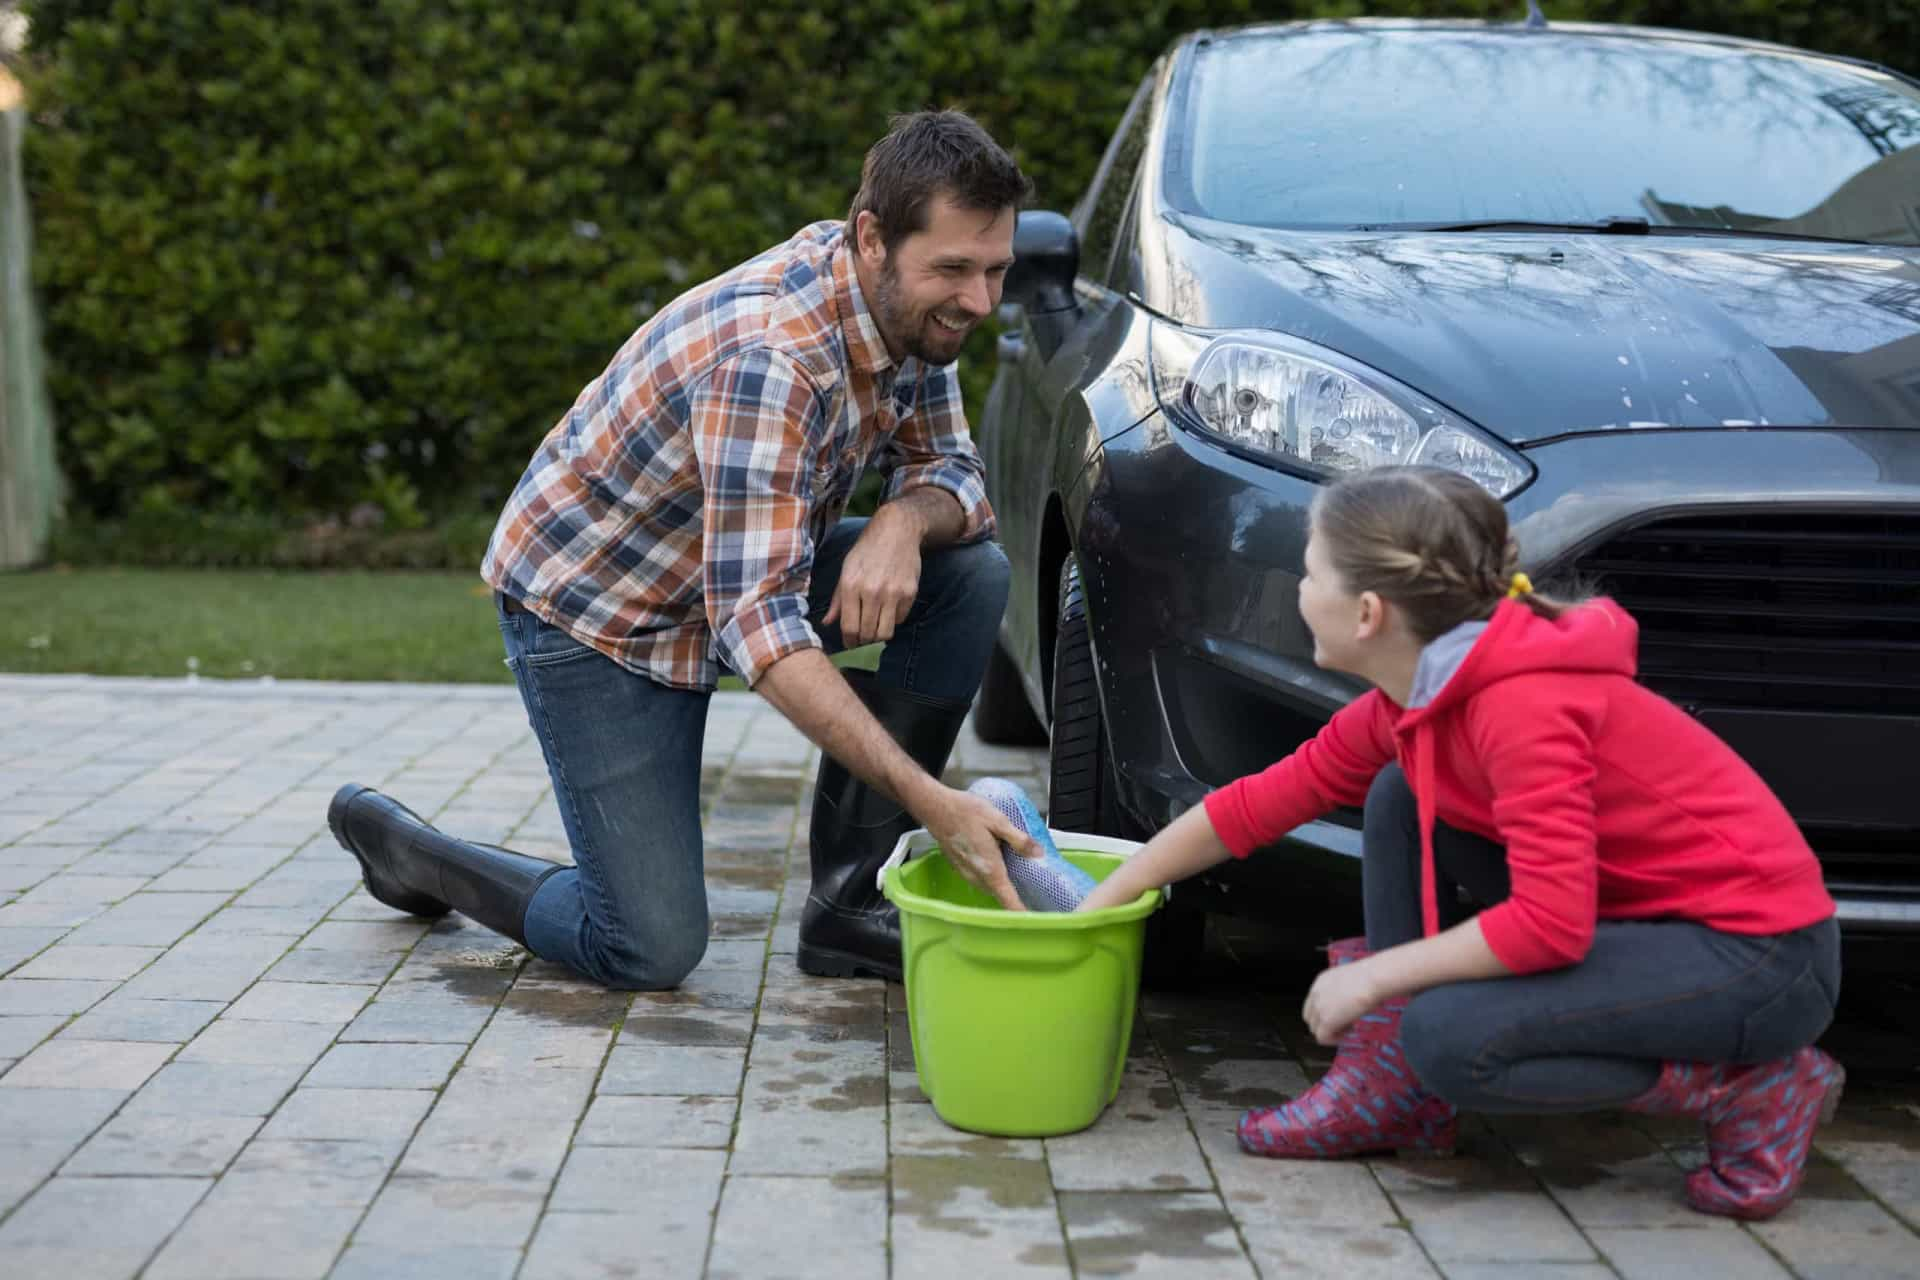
(1521, 585)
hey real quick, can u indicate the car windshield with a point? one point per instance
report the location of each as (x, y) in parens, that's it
(1353, 127)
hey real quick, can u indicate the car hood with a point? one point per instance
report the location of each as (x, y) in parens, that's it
(1536, 336)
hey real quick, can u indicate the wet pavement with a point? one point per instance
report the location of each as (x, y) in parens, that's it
(219, 1058)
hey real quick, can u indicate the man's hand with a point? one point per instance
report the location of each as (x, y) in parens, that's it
(880, 578)
(970, 832)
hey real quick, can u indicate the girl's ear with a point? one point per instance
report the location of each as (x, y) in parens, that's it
(1370, 621)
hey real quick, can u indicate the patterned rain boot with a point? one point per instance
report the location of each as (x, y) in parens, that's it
(1368, 1101)
(1760, 1121)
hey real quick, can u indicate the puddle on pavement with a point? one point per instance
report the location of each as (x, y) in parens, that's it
(466, 982)
(1884, 1126)
(1826, 1180)
(1152, 1230)
(1579, 1175)
(741, 924)
(795, 1082)
(760, 789)
(1241, 1098)
(847, 1093)
(567, 1008)
(765, 875)
(738, 999)
(842, 1014)
(671, 1030)
(814, 1033)
(853, 1093)
(1480, 1164)
(927, 1187)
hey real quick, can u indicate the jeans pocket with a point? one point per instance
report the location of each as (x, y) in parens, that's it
(555, 657)
(549, 645)
(1791, 1019)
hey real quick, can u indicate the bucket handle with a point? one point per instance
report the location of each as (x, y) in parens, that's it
(920, 840)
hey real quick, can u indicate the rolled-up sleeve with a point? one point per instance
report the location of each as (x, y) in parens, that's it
(934, 447)
(748, 421)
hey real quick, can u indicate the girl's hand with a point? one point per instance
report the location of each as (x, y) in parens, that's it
(1340, 995)
(1187, 847)
(1337, 999)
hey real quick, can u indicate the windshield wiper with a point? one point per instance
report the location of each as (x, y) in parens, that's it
(1615, 226)
(1603, 227)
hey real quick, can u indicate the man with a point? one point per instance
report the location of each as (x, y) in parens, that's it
(685, 516)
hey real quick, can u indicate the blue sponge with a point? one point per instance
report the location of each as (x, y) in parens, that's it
(1047, 883)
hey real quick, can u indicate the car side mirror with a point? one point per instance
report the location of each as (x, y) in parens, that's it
(1046, 258)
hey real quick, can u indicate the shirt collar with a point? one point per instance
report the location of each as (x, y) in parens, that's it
(864, 346)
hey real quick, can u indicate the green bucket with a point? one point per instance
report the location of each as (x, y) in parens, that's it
(1020, 1020)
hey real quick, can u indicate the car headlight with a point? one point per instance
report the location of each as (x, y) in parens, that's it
(1281, 399)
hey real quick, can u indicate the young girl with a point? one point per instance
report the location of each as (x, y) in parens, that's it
(1652, 929)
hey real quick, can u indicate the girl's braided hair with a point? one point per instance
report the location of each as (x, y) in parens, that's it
(1431, 541)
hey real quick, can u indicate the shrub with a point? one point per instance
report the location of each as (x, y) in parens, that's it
(302, 256)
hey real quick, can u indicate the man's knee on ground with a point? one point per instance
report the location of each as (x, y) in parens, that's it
(658, 967)
(1438, 1037)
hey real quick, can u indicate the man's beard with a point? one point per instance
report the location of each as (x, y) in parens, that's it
(913, 335)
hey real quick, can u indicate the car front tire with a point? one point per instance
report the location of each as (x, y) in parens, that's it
(1083, 790)
(1082, 787)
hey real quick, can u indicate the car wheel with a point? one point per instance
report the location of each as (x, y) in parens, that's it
(1083, 792)
(1001, 714)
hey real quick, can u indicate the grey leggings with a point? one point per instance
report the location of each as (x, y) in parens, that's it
(1594, 1034)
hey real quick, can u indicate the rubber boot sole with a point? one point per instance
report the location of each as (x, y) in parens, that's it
(824, 962)
(383, 890)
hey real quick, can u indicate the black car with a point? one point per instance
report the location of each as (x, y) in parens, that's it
(1659, 292)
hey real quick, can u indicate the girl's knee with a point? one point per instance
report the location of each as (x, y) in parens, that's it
(1390, 799)
(1440, 1047)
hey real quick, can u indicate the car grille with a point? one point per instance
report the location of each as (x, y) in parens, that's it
(1864, 862)
(1800, 612)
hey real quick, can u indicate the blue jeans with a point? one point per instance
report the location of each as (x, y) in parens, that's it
(624, 755)
(1591, 1035)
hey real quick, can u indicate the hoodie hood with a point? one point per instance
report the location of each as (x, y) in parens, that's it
(1440, 659)
(1595, 637)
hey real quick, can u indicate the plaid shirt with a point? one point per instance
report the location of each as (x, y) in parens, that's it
(670, 519)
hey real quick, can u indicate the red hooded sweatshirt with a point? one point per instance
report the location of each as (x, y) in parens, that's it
(1612, 803)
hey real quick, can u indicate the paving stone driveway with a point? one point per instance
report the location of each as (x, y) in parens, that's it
(219, 1058)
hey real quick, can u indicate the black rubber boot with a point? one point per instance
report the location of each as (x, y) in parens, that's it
(848, 929)
(414, 867)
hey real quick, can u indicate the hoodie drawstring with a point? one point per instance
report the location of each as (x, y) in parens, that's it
(1423, 744)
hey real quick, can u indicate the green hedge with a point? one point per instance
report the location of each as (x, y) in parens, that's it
(310, 257)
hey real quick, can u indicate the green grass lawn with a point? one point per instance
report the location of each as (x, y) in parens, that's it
(243, 624)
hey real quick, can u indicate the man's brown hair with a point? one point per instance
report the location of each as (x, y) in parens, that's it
(931, 153)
